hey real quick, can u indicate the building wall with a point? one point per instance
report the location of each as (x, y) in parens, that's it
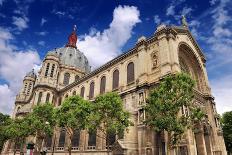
(153, 59)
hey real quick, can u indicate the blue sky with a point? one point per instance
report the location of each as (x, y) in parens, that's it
(30, 28)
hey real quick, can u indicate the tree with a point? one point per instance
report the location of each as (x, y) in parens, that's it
(43, 122)
(109, 117)
(18, 130)
(227, 130)
(164, 104)
(73, 115)
(4, 121)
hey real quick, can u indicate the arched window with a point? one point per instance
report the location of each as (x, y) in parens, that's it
(103, 85)
(74, 93)
(111, 137)
(76, 138)
(92, 139)
(52, 71)
(66, 96)
(48, 141)
(62, 138)
(91, 90)
(18, 109)
(77, 78)
(66, 78)
(115, 79)
(130, 73)
(82, 92)
(47, 69)
(39, 98)
(47, 97)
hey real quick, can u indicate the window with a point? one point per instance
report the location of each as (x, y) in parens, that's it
(82, 92)
(25, 88)
(92, 139)
(66, 78)
(111, 137)
(52, 71)
(91, 90)
(74, 93)
(47, 97)
(103, 85)
(48, 141)
(47, 69)
(130, 73)
(39, 98)
(62, 138)
(77, 78)
(29, 89)
(76, 138)
(115, 79)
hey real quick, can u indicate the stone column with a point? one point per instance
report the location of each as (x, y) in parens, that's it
(200, 141)
(82, 140)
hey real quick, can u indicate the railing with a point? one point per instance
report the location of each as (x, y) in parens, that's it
(91, 147)
(60, 148)
(75, 148)
(109, 147)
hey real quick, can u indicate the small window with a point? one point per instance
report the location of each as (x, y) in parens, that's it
(47, 69)
(77, 78)
(130, 73)
(82, 92)
(115, 79)
(91, 90)
(66, 78)
(103, 85)
(111, 138)
(74, 93)
(47, 97)
(52, 71)
(39, 98)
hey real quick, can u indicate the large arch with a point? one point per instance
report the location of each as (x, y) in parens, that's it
(190, 63)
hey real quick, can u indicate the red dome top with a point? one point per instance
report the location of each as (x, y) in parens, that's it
(72, 39)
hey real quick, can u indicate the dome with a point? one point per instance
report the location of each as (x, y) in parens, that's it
(72, 57)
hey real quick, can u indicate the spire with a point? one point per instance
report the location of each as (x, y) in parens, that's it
(72, 39)
(184, 22)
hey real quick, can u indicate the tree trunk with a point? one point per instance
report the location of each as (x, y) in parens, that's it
(169, 144)
(15, 145)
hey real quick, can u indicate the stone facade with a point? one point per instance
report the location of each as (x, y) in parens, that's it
(170, 50)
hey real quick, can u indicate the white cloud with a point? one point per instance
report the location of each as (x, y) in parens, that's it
(186, 11)
(222, 91)
(100, 47)
(43, 21)
(13, 67)
(41, 43)
(42, 33)
(1, 2)
(157, 19)
(170, 10)
(20, 22)
(212, 2)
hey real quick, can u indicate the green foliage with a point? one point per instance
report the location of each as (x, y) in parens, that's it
(227, 130)
(42, 120)
(4, 121)
(165, 102)
(74, 113)
(108, 115)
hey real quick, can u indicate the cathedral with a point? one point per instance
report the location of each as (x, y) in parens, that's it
(66, 71)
